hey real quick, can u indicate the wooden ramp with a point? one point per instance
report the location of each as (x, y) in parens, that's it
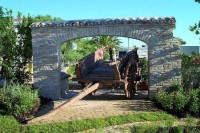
(89, 89)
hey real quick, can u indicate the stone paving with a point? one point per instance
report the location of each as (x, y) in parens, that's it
(106, 102)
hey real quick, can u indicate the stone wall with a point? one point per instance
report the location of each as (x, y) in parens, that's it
(163, 50)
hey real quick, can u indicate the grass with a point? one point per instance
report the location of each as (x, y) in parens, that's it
(159, 122)
(96, 123)
(10, 125)
(169, 129)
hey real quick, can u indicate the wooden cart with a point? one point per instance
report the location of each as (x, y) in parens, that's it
(93, 73)
(92, 69)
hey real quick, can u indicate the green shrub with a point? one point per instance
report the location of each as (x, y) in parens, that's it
(175, 100)
(175, 88)
(190, 70)
(20, 100)
(166, 100)
(193, 103)
(179, 101)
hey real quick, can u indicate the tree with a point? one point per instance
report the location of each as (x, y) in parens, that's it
(70, 56)
(24, 46)
(197, 1)
(196, 27)
(111, 42)
(190, 70)
(16, 44)
(40, 18)
(83, 48)
(8, 44)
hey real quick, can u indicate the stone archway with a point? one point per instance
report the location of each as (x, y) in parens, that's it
(163, 50)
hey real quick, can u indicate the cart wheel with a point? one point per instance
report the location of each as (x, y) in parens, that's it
(130, 74)
(131, 89)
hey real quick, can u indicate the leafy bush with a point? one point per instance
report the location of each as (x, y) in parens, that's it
(190, 70)
(169, 101)
(175, 88)
(194, 100)
(166, 100)
(20, 100)
(173, 98)
(179, 101)
(144, 71)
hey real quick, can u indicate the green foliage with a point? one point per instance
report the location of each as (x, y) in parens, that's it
(166, 100)
(20, 100)
(190, 70)
(174, 88)
(107, 41)
(197, 1)
(191, 121)
(158, 124)
(110, 42)
(196, 27)
(23, 48)
(8, 39)
(194, 101)
(71, 70)
(16, 46)
(80, 125)
(176, 99)
(163, 129)
(70, 55)
(16, 43)
(8, 124)
(173, 99)
(180, 100)
(144, 71)
(42, 18)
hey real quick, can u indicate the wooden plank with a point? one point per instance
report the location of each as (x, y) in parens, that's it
(89, 62)
(116, 71)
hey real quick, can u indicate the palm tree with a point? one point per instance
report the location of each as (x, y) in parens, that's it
(110, 42)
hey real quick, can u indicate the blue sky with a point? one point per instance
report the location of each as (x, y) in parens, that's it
(186, 12)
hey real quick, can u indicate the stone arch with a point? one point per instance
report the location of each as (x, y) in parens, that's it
(163, 50)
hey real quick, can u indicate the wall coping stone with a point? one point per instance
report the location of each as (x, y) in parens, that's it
(108, 21)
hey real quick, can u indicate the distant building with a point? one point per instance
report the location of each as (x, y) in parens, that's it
(17, 21)
(190, 49)
(142, 51)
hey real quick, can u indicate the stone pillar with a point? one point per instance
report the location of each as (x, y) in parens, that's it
(164, 64)
(46, 65)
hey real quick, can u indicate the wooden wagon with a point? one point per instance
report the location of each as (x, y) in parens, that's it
(92, 72)
(93, 69)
